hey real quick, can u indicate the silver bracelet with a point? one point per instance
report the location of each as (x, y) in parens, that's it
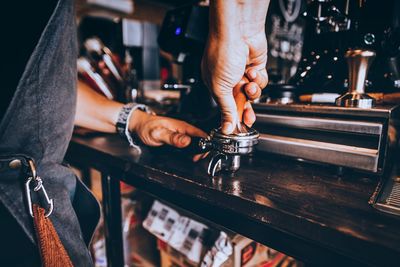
(124, 117)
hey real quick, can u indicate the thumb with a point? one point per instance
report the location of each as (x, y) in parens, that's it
(227, 104)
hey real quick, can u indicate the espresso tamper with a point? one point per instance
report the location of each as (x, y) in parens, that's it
(359, 62)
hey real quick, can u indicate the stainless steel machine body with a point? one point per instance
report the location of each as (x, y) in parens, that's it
(358, 138)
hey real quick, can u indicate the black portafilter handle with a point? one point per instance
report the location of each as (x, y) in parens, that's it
(198, 145)
(195, 147)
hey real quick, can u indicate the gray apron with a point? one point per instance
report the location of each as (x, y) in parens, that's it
(39, 124)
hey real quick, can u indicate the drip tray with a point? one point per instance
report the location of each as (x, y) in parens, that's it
(388, 199)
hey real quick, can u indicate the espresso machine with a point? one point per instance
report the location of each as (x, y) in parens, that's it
(353, 133)
(332, 27)
(352, 52)
(351, 49)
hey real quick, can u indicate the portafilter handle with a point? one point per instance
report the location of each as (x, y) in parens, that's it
(198, 145)
(359, 62)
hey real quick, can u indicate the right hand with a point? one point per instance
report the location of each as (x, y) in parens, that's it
(235, 64)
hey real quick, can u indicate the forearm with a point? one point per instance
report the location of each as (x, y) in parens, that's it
(245, 18)
(94, 111)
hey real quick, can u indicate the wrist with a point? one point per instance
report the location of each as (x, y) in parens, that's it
(137, 118)
(129, 119)
(232, 19)
(221, 26)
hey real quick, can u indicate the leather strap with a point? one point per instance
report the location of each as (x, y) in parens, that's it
(52, 251)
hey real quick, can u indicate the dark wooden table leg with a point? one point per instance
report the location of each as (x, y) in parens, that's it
(86, 177)
(112, 220)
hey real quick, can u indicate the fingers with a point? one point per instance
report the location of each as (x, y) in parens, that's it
(178, 138)
(253, 83)
(162, 135)
(252, 90)
(189, 129)
(229, 114)
(258, 80)
(186, 128)
(200, 156)
(249, 116)
(173, 132)
(260, 77)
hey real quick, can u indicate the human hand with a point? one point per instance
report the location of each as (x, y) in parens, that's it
(235, 57)
(238, 64)
(156, 130)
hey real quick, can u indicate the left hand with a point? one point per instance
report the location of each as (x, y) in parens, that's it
(156, 130)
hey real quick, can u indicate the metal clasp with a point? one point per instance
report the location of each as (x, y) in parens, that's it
(39, 187)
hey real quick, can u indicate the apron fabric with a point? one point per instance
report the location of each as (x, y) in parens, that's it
(39, 124)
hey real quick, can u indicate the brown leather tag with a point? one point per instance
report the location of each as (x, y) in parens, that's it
(52, 251)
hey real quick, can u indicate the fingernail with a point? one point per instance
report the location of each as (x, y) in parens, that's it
(227, 127)
(252, 74)
(253, 90)
(184, 139)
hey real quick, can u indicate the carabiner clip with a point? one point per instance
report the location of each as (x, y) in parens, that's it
(39, 186)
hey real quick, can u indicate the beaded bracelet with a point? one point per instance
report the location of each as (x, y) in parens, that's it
(123, 121)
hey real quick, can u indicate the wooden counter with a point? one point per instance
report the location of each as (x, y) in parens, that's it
(301, 209)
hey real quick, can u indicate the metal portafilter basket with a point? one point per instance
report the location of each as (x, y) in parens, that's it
(226, 150)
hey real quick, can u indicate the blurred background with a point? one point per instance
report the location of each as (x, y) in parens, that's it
(150, 52)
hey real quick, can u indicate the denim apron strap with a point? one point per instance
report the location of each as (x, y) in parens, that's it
(39, 124)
